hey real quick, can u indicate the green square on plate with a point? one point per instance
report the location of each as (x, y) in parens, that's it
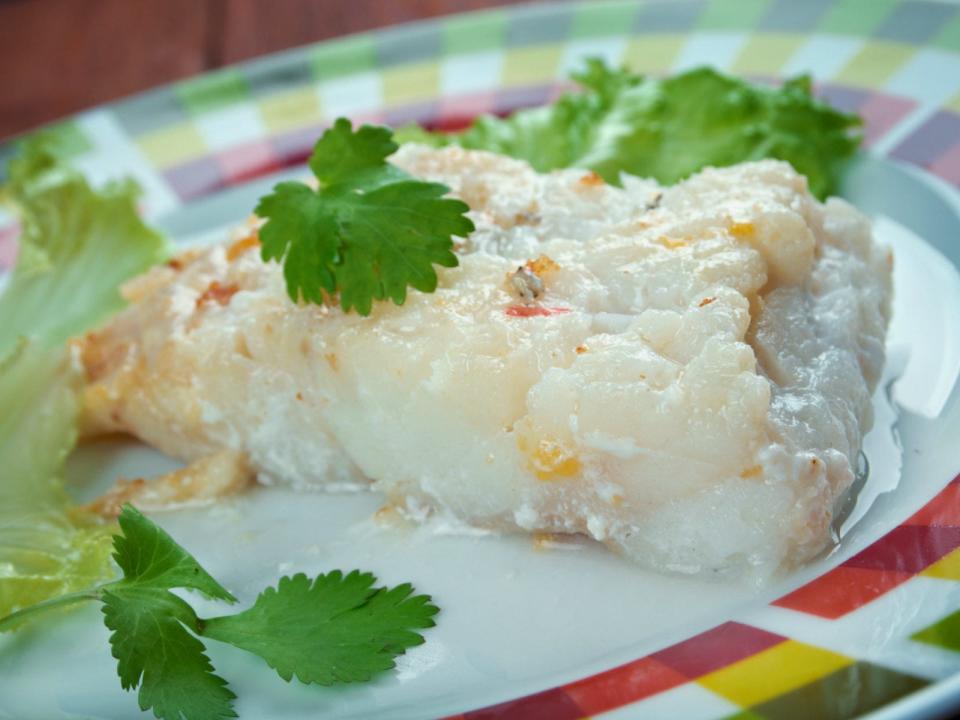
(944, 633)
(949, 36)
(732, 14)
(856, 17)
(603, 18)
(213, 90)
(351, 55)
(475, 32)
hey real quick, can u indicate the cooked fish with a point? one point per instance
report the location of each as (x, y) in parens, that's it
(683, 373)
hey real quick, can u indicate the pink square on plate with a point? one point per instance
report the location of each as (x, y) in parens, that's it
(8, 246)
(457, 111)
(880, 113)
(247, 161)
(947, 166)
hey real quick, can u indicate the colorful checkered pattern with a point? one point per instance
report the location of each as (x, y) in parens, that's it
(895, 62)
(928, 543)
(731, 671)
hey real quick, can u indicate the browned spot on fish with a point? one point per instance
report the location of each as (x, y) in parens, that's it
(592, 178)
(241, 246)
(202, 482)
(616, 500)
(304, 347)
(177, 263)
(671, 243)
(706, 301)
(386, 512)
(751, 472)
(217, 293)
(525, 311)
(544, 540)
(391, 514)
(581, 349)
(542, 265)
(526, 218)
(300, 396)
(240, 345)
(332, 361)
(100, 355)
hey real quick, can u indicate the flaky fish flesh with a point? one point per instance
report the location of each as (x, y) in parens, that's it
(684, 373)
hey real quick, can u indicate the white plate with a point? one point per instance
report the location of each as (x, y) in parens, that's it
(541, 629)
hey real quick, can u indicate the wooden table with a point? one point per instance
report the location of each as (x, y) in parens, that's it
(60, 56)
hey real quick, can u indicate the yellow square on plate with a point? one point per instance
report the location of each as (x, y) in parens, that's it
(773, 672)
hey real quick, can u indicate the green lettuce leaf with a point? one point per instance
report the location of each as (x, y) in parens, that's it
(77, 246)
(44, 551)
(669, 128)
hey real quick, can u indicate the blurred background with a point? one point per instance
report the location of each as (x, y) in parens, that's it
(60, 56)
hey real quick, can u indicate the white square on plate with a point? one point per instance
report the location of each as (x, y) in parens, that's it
(230, 126)
(357, 93)
(690, 701)
(470, 72)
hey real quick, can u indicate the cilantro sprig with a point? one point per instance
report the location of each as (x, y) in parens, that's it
(367, 232)
(332, 629)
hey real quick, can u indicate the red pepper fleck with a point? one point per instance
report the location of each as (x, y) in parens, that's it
(534, 311)
(217, 293)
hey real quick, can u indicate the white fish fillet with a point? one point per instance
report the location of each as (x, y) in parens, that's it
(690, 388)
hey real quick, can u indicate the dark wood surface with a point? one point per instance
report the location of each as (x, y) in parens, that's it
(61, 56)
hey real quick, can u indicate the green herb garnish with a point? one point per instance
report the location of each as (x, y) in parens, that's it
(334, 628)
(669, 128)
(367, 232)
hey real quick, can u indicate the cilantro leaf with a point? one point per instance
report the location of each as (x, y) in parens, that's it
(150, 640)
(155, 652)
(334, 629)
(669, 128)
(148, 556)
(394, 235)
(331, 629)
(356, 160)
(368, 231)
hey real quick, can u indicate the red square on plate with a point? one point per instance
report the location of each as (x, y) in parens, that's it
(842, 590)
(623, 685)
(716, 648)
(944, 509)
